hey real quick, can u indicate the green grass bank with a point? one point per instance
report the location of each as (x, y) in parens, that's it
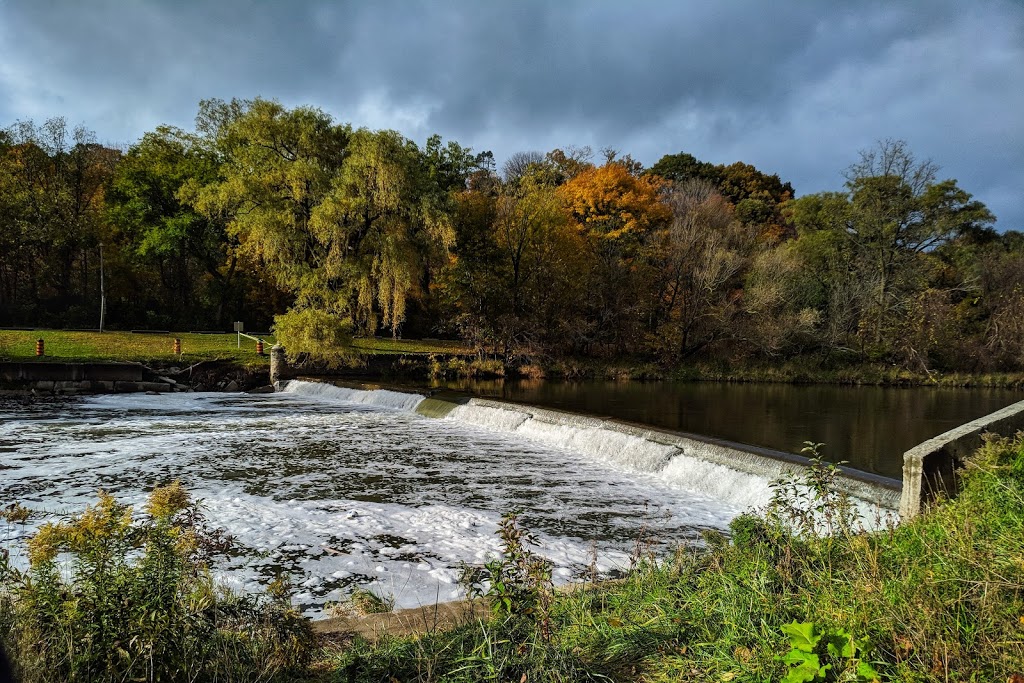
(452, 359)
(63, 345)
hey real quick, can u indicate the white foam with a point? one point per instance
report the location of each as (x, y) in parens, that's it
(378, 398)
(338, 494)
(623, 451)
(497, 419)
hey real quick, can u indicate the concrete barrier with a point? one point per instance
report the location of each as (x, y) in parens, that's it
(71, 372)
(931, 468)
(81, 378)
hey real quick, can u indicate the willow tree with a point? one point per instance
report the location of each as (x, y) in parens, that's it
(343, 221)
(383, 217)
(277, 165)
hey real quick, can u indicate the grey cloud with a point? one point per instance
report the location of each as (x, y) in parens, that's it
(795, 88)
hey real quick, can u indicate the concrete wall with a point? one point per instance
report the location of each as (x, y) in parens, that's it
(931, 468)
(68, 372)
(79, 378)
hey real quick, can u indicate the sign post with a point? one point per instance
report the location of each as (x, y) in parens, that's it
(239, 329)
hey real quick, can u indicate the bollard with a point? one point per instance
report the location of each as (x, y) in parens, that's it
(177, 346)
(277, 363)
(259, 347)
(40, 347)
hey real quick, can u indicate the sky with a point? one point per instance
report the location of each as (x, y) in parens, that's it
(796, 88)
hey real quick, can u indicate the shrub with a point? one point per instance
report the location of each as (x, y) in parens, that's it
(316, 333)
(111, 595)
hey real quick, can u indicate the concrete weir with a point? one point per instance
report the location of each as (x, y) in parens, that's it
(931, 468)
(723, 469)
(764, 463)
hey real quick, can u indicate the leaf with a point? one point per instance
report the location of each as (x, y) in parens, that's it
(867, 672)
(728, 676)
(840, 644)
(801, 636)
(614, 623)
(805, 667)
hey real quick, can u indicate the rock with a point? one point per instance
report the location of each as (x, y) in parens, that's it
(231, 386)
(266, 389)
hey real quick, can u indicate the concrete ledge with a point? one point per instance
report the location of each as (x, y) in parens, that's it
(81, 378)
(761, 462)
(71, 372)
(930, 468)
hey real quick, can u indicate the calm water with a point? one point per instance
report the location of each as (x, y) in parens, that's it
(870, 427)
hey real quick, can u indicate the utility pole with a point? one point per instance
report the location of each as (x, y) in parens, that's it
(103, 290)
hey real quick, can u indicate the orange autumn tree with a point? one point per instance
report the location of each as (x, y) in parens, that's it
(617, 212)
(611, 203)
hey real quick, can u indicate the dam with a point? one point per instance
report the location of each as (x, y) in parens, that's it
(337, 487)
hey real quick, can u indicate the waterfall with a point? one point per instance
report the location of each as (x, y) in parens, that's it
(379, 398)
(732, 473)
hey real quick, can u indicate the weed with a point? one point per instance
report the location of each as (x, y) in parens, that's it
(361, 602)
(518, 584)
(809, 645)
(111, 595)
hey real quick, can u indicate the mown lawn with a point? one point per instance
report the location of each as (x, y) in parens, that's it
(20, 345)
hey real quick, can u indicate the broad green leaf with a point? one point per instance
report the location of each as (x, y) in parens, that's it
(840, 644)
(806, 668)
(801, 635)
(866, 672)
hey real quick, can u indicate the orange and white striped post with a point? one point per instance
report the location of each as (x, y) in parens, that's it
(177, 346)
(40, 347)
(259, 347)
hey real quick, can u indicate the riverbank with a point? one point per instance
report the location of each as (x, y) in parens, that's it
(384, 358)
(783, 596)
(936, 599)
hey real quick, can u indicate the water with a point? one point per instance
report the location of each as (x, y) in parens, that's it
(869, 427)
(339, 488)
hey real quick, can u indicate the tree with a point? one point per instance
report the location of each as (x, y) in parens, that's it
(383, 218)
(55, 179)
(519, 164)
(757, 196)
(701, 252)
(892, 215)
(277, 165)
(616, 212)
(149, 203)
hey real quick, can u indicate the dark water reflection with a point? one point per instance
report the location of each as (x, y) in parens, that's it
(870, 427)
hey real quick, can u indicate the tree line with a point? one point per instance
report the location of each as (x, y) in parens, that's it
(285, 217)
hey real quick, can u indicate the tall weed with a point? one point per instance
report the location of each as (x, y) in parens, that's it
(111, 595)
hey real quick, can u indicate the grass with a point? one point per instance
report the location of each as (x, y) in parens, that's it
(20, 345)
(940, 598)
(797, 593)
(381, 345)
(60, 345)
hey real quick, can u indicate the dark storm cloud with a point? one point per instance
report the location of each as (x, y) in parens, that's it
(794, 89)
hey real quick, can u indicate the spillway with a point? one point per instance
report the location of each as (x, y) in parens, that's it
(337, 487)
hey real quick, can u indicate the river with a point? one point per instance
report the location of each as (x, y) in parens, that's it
(868, 427)
(337, 488)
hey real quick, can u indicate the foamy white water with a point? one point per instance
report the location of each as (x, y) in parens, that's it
(341, 488)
